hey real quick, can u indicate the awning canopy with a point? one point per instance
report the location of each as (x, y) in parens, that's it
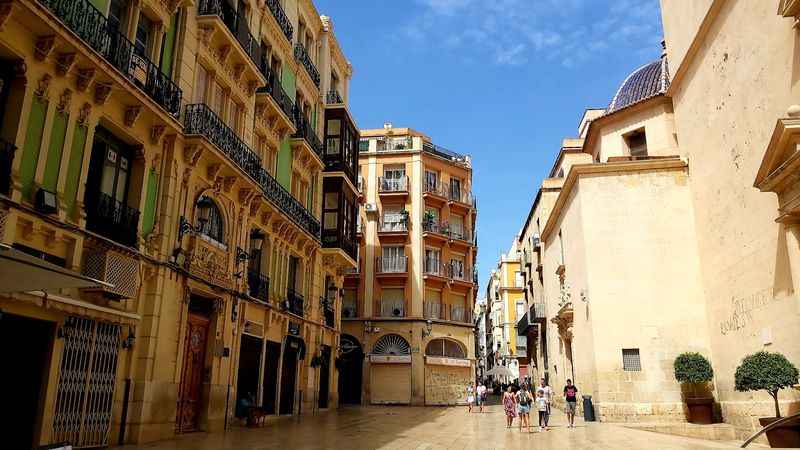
(20, 272)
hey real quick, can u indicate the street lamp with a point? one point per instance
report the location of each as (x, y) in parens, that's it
(256, 239)
(428, 328)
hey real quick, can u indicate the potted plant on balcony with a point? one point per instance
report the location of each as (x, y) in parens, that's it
(771, 372)
(428, 219)
(694, 372)
(404, 217)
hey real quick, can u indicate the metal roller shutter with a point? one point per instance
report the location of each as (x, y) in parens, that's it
(391, 383)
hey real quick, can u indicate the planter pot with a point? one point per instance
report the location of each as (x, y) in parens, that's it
(701, 410)
(784, 436)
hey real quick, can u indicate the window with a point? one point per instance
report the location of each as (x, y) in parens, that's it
(115, 167)
(457, 227)
(631, 361)
(394, 178)
(520, 309)
(334, 144)
(211, 220)
(363, 145)
(393, 219)
(445, 347)
(330, 213)
(393, 259)
(433, 260)
(393, 302)
(220, 98)
(350, 303)
(116, 15)
(202, 85)
(235, 120)
(637, 143)
(431, 181)
(455, 188)
(144, 29)
(457, 268)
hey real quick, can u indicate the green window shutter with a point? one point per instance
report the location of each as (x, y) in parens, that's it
(168, 47)
(102, 5)
(285, 165)
(53, 162)
(149, 219)
(74, 169)
(33, 141)
(289, 83)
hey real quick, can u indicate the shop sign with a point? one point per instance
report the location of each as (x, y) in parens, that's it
(390, 359)
(294, 329)
(253, 328)
(441, 361)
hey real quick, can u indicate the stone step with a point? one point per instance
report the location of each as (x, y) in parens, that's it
(716, 431)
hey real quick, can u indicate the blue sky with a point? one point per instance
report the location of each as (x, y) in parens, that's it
(501, 80)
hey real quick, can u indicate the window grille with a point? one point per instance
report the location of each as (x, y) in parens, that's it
(631, 361)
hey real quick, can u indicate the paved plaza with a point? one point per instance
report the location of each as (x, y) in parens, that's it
(424, 428)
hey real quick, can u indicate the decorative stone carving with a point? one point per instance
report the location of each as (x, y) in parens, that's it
(64, 62)
(213, 170)
(252, 87)
(191, 154)
(84, 78)
(204, 35)
(64, 101)
(227, 184)
(43, 86)
(223, 53)
(43, 47)
(156, 131)
(84, 112)
(132, 114)
(101, 92)
(238, 70)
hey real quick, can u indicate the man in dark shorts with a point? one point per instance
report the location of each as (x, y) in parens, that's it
(571, 397)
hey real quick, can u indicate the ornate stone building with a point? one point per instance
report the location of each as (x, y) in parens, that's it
(167, 161)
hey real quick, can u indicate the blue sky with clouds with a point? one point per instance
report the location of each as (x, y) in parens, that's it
(501, 80)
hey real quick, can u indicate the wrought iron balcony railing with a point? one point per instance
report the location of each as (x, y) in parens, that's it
(235, 22)
(336, 239)
(305, 130)
(7, 150)
(393, 223)
(111, 218)
(258, 285)
(201, 120)
(294, 302)
(280, 17)
(333, 98)
(288, 204)
(89, 24)
(392, 264)
(275, 89)
(301, 55)
(431, 226)
(460, 273)
(393, 184)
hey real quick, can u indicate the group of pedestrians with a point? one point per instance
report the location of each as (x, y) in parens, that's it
(521, 402)
(476, 395)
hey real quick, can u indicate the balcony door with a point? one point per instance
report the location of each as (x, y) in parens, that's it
(110, 171)
(292, 273)
(431, 181)
(455, 189)
(394, 178)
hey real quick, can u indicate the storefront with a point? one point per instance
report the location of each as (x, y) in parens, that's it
(390, 371)
(447, 373)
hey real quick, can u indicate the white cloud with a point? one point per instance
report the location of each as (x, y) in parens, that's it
(511, 32)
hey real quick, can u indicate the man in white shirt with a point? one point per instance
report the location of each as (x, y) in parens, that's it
(481, 397)
(547, 392)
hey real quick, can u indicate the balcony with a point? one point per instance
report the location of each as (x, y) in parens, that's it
(462, 236)
(301, 55)
(460, 274)
(91, 26)
(461, 196)
(459, 314)
(202, 121)
(258, 285)
(110, 218)
(288, 204)
(449, 155)
(393, 227)
(305, 132)
(434, 268)
(434, 193)
(295, 302)
(391, 265)
(393, 185)
(7, 150)
(235, 23)
(282, 101)
(333, 98)
(432, 310)
(281, 18)
(341, 137)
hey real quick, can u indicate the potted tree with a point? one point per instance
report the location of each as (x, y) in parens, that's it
(694, 372)
(771, 372)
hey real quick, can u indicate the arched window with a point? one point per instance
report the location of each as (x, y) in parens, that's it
(445, 347)
(391, 344)
(210, 219)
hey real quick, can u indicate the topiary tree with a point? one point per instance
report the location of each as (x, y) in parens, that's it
(692, 367)
(766, 371)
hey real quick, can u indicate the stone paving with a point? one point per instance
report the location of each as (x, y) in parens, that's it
(424, 428)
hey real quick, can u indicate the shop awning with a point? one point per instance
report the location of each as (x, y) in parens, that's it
(20, 272)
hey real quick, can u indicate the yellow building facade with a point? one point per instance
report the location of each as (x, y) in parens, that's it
(407, 308)
(507, 304)
(175, 157)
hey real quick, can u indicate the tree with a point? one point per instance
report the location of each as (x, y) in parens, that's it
(692, 367)
(766, 371)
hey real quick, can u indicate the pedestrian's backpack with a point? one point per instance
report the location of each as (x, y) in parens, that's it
(525, 400)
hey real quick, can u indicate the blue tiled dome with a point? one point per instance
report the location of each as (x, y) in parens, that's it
(645, 82)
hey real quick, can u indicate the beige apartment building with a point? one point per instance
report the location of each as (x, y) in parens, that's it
(407, 308)
(653, 236)
(167, 254)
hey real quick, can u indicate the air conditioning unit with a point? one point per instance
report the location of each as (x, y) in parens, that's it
(370, 208)
(397, 312)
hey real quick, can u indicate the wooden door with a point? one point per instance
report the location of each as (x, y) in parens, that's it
(191, 389)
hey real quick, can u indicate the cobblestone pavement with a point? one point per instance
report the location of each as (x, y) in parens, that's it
(424, 428)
